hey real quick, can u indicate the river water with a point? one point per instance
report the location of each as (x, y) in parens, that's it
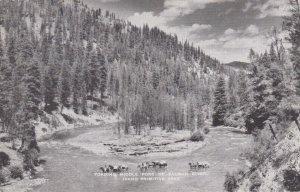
(72, 169)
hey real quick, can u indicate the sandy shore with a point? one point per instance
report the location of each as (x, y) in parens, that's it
(107, 141)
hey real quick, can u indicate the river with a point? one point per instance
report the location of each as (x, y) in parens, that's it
(72, 169)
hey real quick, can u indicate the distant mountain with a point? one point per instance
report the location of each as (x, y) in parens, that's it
(239, 65)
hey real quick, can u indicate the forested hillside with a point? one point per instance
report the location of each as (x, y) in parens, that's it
(271, 114)
(57, 55)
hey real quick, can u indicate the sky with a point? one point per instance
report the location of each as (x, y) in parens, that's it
(224, 29)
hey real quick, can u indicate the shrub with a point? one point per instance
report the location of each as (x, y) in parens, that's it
(197, 136)
(230, 183)
(45, 119)
(30, 160)
(206, 130)
(291, 180)
(4, 175)
(2, 178)
(112, 109)
(95, 107)
(279, 161)
(255, 182)
(44, 130)
(16, 172)
(4, 159)
(54, 122)
(68, 119)
(234, 120)
(6, 139)
(240, 174)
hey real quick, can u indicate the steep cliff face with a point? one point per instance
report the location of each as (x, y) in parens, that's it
(280, 171)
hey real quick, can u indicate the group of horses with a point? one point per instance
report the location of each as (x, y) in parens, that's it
(154, 164)
(198, 165)
(145, 166)
(114, 168)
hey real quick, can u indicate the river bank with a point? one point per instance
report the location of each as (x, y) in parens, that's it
(109, 141)
(74, 155)
(72, 168)
(46, 128)
(50, 124)
(17, 185)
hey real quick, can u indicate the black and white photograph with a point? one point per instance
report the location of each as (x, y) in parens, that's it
(149, 95)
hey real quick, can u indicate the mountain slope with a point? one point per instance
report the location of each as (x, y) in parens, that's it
(239, 65)
(277, 172)
(71, 54)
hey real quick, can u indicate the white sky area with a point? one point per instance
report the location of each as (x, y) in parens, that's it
(225, 29)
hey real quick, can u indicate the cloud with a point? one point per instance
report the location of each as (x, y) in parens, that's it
(234, 44)
(149, 18)
(234, 38)
(176, 8)
(190, 33)
(209, 43)
(252, 30)
(247, 6)
(257, 42)
(272, 8)
(230, 31)
(229, 34)
(197, 27)
(183, 32)
(172, 10)
(228, 11)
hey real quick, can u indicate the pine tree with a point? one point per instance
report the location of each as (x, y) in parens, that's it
(267, 90)
(89, 49)
(232, 95)
(84, 99)
(242, 91)
(155, 79)
(33, 91)
(102, 73)
(273, 54)
(58, 45)
(45, 49)
(11, 50)
(51, 89)
(255, 113)
(5, 91)
(220, 107)
(77, 83)
(251, 55)
(94, 74)
(292, 25)
(65, 92)
(1, 47)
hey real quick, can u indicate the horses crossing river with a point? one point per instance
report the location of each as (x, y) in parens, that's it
(70, 168)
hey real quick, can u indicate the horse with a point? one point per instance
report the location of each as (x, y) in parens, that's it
(198, 165)
(163, 164)
(104, 169)
(160, 164)
(202, 165)
(142, 167)
(114, 169)
(150, 165)
(123, 168)
(193, 165)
